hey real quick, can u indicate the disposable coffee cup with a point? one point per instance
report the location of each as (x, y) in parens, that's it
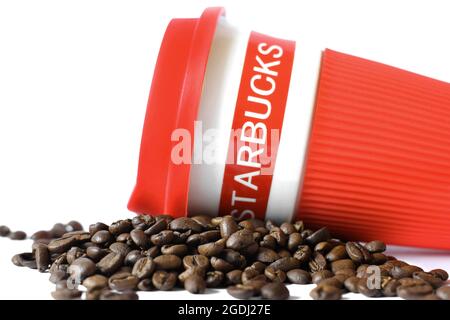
(245, 124)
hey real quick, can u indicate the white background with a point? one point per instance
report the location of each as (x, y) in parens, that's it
(74, 81)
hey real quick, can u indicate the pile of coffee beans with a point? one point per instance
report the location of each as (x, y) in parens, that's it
(251, 258)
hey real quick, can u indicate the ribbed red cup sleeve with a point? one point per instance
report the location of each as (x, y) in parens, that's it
(378, 161)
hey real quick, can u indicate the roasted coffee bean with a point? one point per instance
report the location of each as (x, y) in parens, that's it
(120, 248)
(156, 228)
(212, 248)
(110, 263)
(357, 252)
(124, 238)
(94, 228)
(58, 275)
(25, 259)
(17, 235)
(95, 282)
(162, 238)
(234, 277)
(280, 237)
(440, 274)
(404, 271)
(191, 271)
(376, 246)
(414, 291)
(318, 276)
(211, 235)
(81, 268)
(318, 262)
(42, 234)
(193, 261)
(167, 262)
(163, 280)
(361, 271)
(74, 253)
(4, 231)
(443, 293)
(268, 242)
(195, 284)
(145, 285)
(390, 286)
(303, 254)
(283, 253)
(258, 266)
(204, 221)
(142, 222)
(326, 293)
(275, 275)
(351, 284)
(184, 224)
(195, 240)
(220, 264)
(96, 253)
(125, 295)
(73, 226)
(143, 268)
(369, 287)
(214, 279)
(275, 291)
(285, 264)
(240, 291)
(333, 281)
(123, 281)
(66, 294)
(234, 258)
(121, 226)
(153, 252)
(140, 239)
(378, 258)
(42, 257)
(228, 226)
(101, 237)
(323, 234)
(295, 239)
(298, 276)
(433, 281)
(342, 264)
(240, 240)
(337, 253)
(248, 274)
(177, 249)
(58, 230)
(62, 244)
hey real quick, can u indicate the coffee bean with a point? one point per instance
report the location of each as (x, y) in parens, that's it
(157, 227)
(390, 287)
(248, 274)
(357, 252)
(66, 294)
(318, 276)
(25, 259)
(167, 262)
(73, 254)
(58, 230)
(414, 291)
(17, 235)
(143, 268)
(378, 258)
(268, 242)
(212, 248)
(275, 291)
(195, 284)
(4, 231)
(81, 268)
(337, 253)
(96, 227)
(162, 238)
(120, 248)
(197, 260)
(318, 262)
(62, 244)
(240, 240)
(435, 282)
(326, 293)
(234, 277)
(375, 246)
(96, 253)
(140, 239)
(369, 288)
(342, 264)
(303, 254)
(220, 264)
(280, 237)
(125, 295)
(404, 271)
(177, 249)
(299, 276)
(440, 274)
(351, 284)
(295, 239)
(121, 226)
(96, 281)
(101, 237)
(285, 264)
(443, 293)
(163, 280)
(234, 258)
(184, 224)
(132, 257)
(227, 226)
(42, 234)
(191, 271)
(320, 235)
(110, 263)
(73, 226)
(123, 281)
(42, 257)
(214, 279)
(241, 291)
(145, 285)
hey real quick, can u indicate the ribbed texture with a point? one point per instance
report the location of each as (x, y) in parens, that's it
(378, 164)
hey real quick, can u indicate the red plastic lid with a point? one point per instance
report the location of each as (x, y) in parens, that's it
(162, 186)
